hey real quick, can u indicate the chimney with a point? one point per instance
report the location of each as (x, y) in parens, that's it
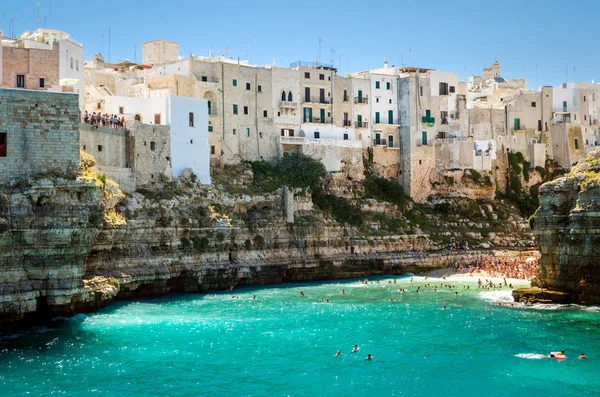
(385, 63)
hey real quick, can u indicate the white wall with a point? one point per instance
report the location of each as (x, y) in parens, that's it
(327, 131)
(146, 108)
(189, 145)
(181, 68)
(569, 94)
(384, 95)
(436, 77)
(70, 50)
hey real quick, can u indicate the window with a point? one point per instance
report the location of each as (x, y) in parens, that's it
(576, 143)
(42, 83)
(388, 86)
(265, 113)
(210, 128)
(3, 144)
(77, 64)
(444, 117)
(377, 85)
(121, 110)
(443, 88)
(584, 98)
(539, 125)
(248, 86)
(377, 100)
(287, 132)
(204, 78)
(212, 150)
(317, 135)
(235, 109)
(157, 118)
(390, 117)
(345, 95)
(20, 81)
(234, 131)
(245, 109)
(259, 88)
(153, 146)
(290, 96)
(390, 101)
(99, 148)
(234, 82)
(452, 89)
(306, 75)
(533, 104)
(420, 91)
(564, 85)
(376, 117)
(574, 116)
(345, 137)
(260, 135)
(247, 132)
(564, 106)
(584, 117)
(191, 119)
(71, 62)
(321, 76)
(517, 124)
(283, 96)
(191, 141)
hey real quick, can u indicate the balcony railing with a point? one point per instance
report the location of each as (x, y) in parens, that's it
(387, 143)
(285, 140)
(361, 124)
(347, 123)
(318, 120)
(361, 99)
(389, 122)
(213, 112)
(317, 99)
(379, 142)
(288, 104)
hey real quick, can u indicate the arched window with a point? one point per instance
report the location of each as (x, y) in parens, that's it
(283, 96)
(290, 96)
(138, 117)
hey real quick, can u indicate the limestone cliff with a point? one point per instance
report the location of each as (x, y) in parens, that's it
(567, 227)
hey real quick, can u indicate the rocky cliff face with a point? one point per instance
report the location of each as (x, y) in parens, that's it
(57, 258)
(46, 233)
(567, 227)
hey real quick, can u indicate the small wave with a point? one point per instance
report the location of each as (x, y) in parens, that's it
(531, 356)
(497, 296)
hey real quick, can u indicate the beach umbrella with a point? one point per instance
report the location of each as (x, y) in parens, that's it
(530, 259)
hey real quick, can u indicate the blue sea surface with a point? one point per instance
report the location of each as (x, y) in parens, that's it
(282, 344)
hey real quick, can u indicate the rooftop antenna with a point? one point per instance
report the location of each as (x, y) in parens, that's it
(3, 22)
(319, 51)
(45, 18)
(50, 14)
(37, 15)
(332, 60)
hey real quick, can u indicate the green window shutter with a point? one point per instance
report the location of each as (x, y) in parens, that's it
(517, 123)
(390, 117)
(359, 118)
(360, 93)
(234, 82)
(322, 116)
(576, 143)
(376, 117)
(235, 109)
(424, 138)
(388, 85)
(377, 84)
(428, 113)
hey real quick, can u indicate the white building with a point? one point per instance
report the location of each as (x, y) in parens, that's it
(71, 58)
(188, 122)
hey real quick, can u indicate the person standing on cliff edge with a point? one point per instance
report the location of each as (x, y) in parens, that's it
(582, 285)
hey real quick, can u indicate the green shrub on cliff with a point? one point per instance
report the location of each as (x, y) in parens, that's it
(295, 170)
(382, 189)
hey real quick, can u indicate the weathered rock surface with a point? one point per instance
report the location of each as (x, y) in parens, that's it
(567, 227)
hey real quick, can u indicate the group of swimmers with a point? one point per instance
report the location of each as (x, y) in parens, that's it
(511, 268)
(355, 349)
(561, 355)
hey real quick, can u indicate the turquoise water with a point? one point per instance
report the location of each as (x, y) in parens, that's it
(282, 344)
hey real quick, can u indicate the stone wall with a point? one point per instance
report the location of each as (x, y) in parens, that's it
(42, 132)
(150, 152)
(107, 145)
(34, 64)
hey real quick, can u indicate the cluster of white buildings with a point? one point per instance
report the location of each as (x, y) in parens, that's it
(421, 125)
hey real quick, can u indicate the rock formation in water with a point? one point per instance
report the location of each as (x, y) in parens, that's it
(567, 227)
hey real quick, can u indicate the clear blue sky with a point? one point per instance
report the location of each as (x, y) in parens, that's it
(539, 39)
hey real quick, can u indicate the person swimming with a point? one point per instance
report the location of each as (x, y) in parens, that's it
(444, 308)
(582, 356)
(369, 357)
(355, 349)
(337, 354)
(302, 293)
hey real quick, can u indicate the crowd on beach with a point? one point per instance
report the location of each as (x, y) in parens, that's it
(104, 120)
(498, 267)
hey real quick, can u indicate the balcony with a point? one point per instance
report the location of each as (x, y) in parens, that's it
(318, 120)
(361, 100)
(388, 122)
(386, 143)
(288, 105)
(317, 99)
(286, 140)
(347, 123)
(361, 124)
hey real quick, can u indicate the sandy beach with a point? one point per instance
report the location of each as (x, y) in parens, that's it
(453, 275)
